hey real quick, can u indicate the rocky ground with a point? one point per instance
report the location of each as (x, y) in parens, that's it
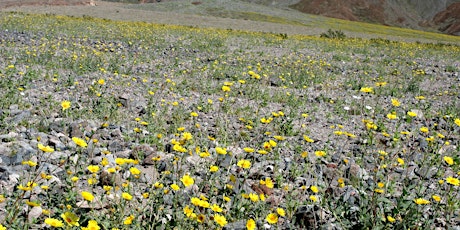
(316, 83)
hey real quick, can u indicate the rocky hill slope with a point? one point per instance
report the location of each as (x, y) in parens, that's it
(443, 15)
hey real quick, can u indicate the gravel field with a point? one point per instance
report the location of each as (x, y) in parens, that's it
(145, 126)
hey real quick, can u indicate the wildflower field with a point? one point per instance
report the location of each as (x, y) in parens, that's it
(132, 125)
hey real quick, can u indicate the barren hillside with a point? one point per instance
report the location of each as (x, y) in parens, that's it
(438, 15)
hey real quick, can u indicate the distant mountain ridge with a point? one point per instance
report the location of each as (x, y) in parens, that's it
(440, 15)
(431, 15)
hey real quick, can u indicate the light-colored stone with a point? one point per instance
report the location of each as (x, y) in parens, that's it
(34, 213)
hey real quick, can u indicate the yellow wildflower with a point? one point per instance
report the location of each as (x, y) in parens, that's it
(424, 129)
(30, 163)
(213, 168)
(251, 224)
(449, 160)
(248, 150)
(45, 148)
(87, 196)
(272, 218)
(92, 225)
(127, 196)
(411, 114)
(267, 182)
(220, 220)
(436, 198)
(314, 189)
(392, 116)
(65, 105)
(187, 180)
(262, 151)
(80, 142)
(453, 181)
(220, 150)
(367, 90)
(391, 219)
(128, 220)
(134, 171)
(457, 121)
(244, 164)
(421, 201)
(175, 187)
(253, 197)
(226, 88)
(395, 102)
(93, 168)
(216, 208)
(280, 212)
(320, 153)
(308, 139)
(53, 222)
(70, 218)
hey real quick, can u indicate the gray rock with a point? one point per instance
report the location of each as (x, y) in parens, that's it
(5, 172)
(5, 152)
(59, 125)
(328, 172)
(261, 169)
(122, 154)
(149, 174)
(75, 130)
(423, 144)
(419, 113)
(355, 171)
(117, 146)
(110, 158)
(9, 136)
(110, 179)
(351, 195)
(20, 151)
(34, 213)
(14, 109)
(140, 151)
(425, 172)
(20, 117)
(124, 99)
(240, 225)
(224, 160)
(310, 217)
(50, 168)
(235, 150)
(56, 143)
(302, 181)
(116, 133)
(14, 178)
(195, 160)
(96, 160)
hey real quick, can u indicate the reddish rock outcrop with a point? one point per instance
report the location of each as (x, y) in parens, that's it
(449, 19)
(416, 15)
